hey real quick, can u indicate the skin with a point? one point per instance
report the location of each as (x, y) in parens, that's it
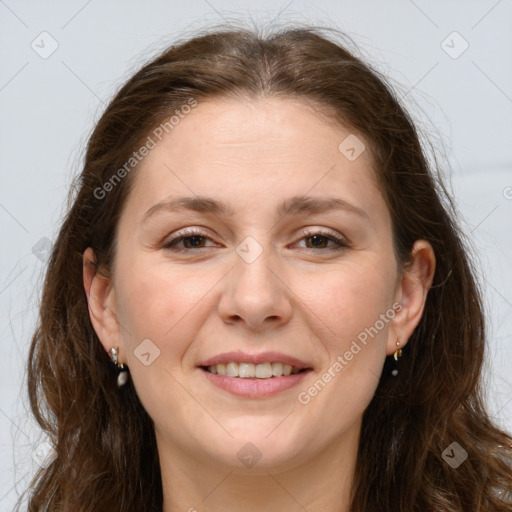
(309, 301)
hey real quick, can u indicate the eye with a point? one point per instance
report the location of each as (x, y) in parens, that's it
(191, 238)
(195, 239)
(319, 238)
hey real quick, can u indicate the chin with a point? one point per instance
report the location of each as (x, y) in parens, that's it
(259, 450)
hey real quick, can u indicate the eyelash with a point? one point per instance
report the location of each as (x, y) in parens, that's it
(190, 233)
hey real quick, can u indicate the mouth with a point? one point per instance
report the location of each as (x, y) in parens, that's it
(254, 371)
(254, 376)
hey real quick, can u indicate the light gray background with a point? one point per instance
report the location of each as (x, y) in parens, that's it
(48, 107)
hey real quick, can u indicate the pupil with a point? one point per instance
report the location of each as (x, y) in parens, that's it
(317, 238)
(194, 240)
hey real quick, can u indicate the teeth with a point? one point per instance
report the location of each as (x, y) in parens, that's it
(232, 369)
(249, 370)
(277, 369)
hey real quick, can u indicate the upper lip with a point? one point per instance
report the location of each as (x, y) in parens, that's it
(263, 357)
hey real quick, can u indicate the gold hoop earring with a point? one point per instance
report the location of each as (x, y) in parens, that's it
(122, 378)
(397, 355)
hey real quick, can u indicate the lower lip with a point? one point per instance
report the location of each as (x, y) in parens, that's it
(253, 387)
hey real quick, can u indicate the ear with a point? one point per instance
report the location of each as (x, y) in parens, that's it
(411, 293)
(102, 305)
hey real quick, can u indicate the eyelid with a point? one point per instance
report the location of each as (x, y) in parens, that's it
(340, 241)
(310, 231)
(185, 233)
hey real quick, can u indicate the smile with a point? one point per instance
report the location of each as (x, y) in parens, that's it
(250, 370)
(254, 387)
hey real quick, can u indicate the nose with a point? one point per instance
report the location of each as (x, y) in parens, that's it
(255, 292)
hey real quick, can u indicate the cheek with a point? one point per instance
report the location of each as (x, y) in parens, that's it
(351, 299)
(156, 299)
(355, 306)
(159, 308)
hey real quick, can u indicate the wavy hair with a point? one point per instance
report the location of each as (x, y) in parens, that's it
(105, 449)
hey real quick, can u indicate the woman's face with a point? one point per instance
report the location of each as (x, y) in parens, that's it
(270, 187)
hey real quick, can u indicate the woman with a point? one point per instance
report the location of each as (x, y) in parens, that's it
(259, 299)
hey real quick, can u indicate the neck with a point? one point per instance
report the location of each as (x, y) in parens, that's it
(323, 482)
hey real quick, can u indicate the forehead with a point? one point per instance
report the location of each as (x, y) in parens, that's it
(250, 152)
(260, 129)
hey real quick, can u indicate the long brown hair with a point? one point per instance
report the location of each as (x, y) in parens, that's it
(106, 456)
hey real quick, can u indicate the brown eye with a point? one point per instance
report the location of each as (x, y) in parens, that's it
(195, 241)
(191, 239)
(320, 241)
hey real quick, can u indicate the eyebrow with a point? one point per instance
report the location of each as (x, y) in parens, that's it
(297, 205)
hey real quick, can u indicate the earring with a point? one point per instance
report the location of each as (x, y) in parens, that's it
(397, 355)
(122, 378)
